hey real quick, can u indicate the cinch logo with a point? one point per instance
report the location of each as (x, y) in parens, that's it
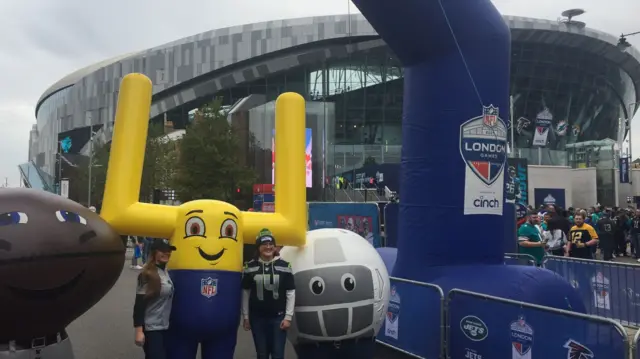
(486, 203)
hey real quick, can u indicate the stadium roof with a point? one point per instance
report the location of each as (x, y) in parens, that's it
(522, 29)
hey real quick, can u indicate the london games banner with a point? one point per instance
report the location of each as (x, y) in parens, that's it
(483, 144)
(543, 124)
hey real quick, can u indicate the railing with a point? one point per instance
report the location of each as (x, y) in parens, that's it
(422, 323)
(519, 259)
(608, 289)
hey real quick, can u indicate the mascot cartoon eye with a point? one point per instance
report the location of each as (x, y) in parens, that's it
(194, 228)
(316, 284)
(70, 217)
(9, 218)
(348, 282)
(229, 229)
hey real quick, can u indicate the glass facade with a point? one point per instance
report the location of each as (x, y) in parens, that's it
(364, 94)
(354, 108)
(585, 94)
(48, 119)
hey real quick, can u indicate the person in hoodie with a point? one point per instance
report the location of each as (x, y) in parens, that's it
(268, 298)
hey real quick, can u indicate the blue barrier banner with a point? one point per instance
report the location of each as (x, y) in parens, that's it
(361, 218)
(481, 326)
(391, 212)
(610, 290)
(417, 331)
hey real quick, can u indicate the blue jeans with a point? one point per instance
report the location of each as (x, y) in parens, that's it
(268, 338)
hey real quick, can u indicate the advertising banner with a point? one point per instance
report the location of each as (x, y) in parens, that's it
(361, 218)
(624, 170)
(391, 212)
(543, 124)
(491, 327)
(419, 335)
(308, 157)
(544, 196)
(483, 145)
(611, 291)
(517, 181)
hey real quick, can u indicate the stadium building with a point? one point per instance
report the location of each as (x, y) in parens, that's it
(574, 77)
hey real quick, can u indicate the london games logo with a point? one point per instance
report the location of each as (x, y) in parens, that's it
(208, 287)
(521, 339)
(483, 141)
(393, 314)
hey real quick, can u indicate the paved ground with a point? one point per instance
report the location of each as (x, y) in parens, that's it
(106, 330)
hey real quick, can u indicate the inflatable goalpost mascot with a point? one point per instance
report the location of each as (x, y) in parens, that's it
(206, 268)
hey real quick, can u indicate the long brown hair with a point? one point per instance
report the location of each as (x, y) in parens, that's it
(151, 277)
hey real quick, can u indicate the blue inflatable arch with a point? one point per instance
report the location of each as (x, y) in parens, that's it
(456, 55)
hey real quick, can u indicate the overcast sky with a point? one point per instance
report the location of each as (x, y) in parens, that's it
(44, 40)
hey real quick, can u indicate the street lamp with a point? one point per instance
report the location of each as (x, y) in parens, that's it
(92, 134)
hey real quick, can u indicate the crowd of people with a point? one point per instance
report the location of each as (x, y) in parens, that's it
(595, 233)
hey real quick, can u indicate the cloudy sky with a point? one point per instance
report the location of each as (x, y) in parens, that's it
(45, 39)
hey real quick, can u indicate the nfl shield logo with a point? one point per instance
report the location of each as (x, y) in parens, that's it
(490, 115)
(208, 287)
(483, 144)
(521, 336)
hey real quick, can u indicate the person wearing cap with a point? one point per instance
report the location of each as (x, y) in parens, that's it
(154, 295)
(268, 298)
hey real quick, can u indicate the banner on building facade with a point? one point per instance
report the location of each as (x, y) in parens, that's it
(546, 196)
(64, 188)
(517, 181)
(543, 124)
(624, 170)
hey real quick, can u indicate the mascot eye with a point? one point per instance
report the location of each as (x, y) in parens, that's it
(194, 227)
(229, 229)
(9, 218)
(65, 216)
(348, 282)
(316, 285)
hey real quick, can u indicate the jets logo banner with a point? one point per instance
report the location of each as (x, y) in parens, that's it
(543, 124)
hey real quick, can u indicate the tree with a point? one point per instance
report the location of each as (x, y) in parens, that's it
(157, 169)
(209, 163)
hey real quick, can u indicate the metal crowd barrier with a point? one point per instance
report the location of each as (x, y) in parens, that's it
(416, 333)
(519, 259)
(608, 289)
(484, 326)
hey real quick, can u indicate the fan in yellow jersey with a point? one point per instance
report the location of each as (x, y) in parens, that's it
(582, 238)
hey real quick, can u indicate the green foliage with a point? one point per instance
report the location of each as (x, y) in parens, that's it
(209, 162)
